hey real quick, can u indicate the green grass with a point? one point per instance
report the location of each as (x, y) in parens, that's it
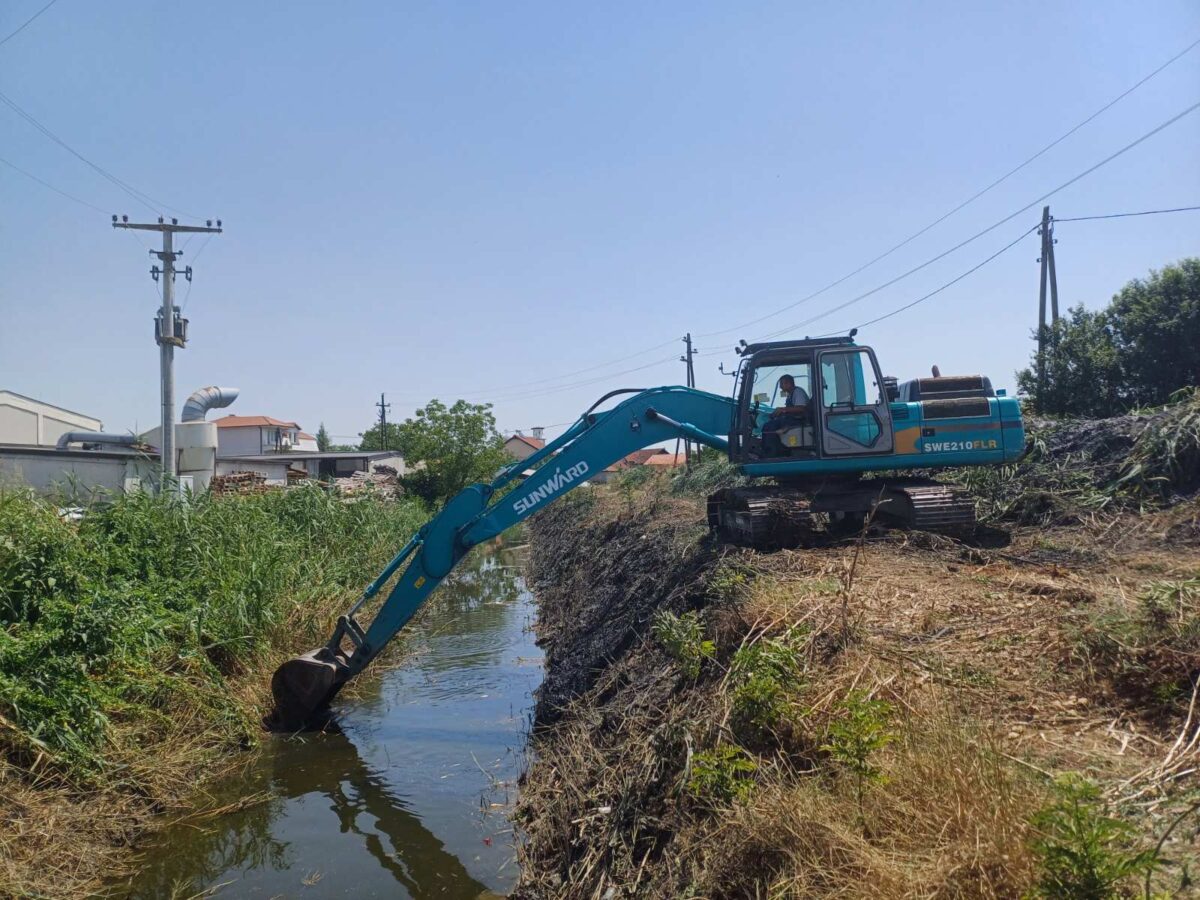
(143, 610)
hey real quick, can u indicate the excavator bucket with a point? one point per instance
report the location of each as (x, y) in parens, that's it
(303, 688)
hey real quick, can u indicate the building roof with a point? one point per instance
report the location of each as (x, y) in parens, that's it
(306, 437)
(666, 459)
(640, 457)
(535, 443)
(232, 421)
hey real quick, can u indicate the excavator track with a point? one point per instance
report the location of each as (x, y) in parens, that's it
(775, 517)
(767, 518)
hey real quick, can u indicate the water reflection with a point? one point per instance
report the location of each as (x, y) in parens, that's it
(408, 797)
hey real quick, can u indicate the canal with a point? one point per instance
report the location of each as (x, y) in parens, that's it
(410, 796)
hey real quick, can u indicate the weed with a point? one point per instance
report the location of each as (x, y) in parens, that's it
(713, 472)
(1166, 455)
(726, 581)
(148, 605)
(763, 675)
(683, 638)
(854, 738)
(722, 775)
(1084, 853)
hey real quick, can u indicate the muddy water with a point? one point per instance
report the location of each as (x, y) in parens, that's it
(410, 799)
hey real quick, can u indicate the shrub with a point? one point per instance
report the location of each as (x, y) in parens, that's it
(855, 736)
(683, 638)
(722, 775)
(1084, 853)
(763, 675)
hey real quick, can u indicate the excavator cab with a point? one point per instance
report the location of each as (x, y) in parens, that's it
(847, 413)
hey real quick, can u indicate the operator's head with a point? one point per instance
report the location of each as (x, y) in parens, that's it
(786, 382)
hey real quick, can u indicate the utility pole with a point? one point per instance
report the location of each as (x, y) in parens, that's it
(691, 382)
(383, 408)
(1047, 274)
(170, 329)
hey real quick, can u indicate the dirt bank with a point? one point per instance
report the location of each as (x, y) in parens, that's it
(894, 717)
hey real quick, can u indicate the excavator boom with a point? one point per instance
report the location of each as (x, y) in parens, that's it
(303, 687)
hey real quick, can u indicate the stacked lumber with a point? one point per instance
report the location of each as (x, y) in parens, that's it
(238, 483)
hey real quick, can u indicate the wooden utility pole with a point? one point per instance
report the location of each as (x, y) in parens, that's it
(170, 329)
(1047, 275)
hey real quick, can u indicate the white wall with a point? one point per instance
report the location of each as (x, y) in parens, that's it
(24, 420)
(244, 440)
(74, 474)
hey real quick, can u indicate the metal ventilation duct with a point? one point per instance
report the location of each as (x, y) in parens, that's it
(205, 399)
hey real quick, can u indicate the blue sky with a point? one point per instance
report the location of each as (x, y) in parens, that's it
(477, 200)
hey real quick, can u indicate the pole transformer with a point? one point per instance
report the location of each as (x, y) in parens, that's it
(170, 330)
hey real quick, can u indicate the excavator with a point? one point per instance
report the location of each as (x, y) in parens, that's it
(841, 420)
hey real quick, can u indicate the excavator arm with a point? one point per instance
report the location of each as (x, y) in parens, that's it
(304, 687)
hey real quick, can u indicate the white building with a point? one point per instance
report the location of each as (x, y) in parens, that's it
(257, 435)
(24, 420)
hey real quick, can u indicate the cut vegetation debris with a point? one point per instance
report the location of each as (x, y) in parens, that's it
(1076, 468)
(134, 650)
(896, 715)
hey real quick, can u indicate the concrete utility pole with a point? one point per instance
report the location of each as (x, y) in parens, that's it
(170, 330)
(1047, 274)
(383, 408)
(691, 382)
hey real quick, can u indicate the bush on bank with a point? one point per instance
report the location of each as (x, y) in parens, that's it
(138, 614)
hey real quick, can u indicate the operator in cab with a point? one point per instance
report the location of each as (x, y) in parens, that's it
(793, 412)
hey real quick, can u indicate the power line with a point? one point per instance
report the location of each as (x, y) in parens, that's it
(965, 203)
(47, 184)
(975, 268)
(27, 23)
(888, 252)
(1066, 184)
(145, 199)
(1147, 212)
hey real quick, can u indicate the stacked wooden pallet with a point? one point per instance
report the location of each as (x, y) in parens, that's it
(238, 483)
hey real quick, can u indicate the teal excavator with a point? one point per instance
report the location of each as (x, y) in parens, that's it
(827, 435)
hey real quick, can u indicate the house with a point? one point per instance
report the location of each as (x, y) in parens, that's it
(306, 443)
(520, 447)
(665, 460)
(24, 420)
(257, 436)
(656, 457)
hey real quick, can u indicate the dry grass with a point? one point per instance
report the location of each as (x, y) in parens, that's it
(977, 654)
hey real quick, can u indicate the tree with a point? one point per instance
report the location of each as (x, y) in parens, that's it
(372, 438)
(323, 442)
(447, 448)
(1083, 371)
(1157, 323)
(1136, 352)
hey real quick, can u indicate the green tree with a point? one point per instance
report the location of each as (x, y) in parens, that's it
(447, 448)
(373, 438)
(1137, 351)
(1157, 322)
(1083, 368)
(323, 442)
